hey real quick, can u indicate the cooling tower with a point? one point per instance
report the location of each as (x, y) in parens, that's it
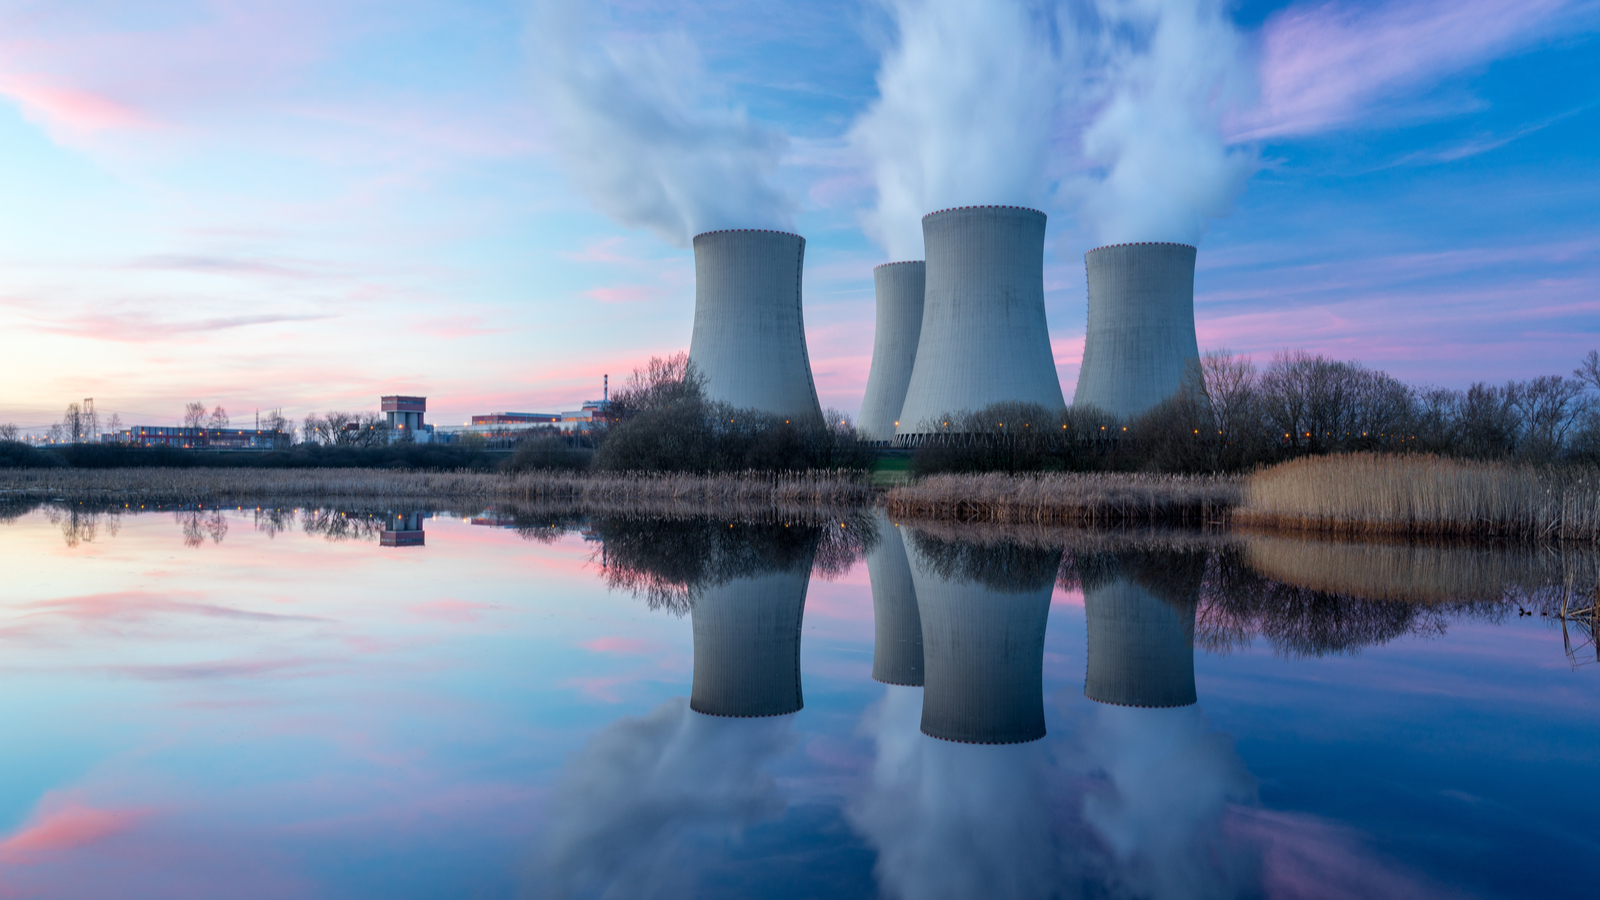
(984, 339)
(749, 337)
(747, 645)
(897, 628)
(899, 288)
(983, 653)
(1140, 335)
(1141, 647)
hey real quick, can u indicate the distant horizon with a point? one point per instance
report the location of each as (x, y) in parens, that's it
(304, 208)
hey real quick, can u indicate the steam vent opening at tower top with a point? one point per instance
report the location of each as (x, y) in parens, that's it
(983, 337)
(749, 337)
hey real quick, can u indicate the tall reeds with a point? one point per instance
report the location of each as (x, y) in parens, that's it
(1068, 499)
(629, 493)
(1364, 494)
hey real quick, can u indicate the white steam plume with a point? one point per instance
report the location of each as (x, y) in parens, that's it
(646, 135)
(642, 788)
(1173, 69)
(965, 106)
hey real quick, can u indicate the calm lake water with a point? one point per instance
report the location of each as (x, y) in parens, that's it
(292, 703)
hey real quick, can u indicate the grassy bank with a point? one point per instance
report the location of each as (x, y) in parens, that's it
(1377, 495)
(1068, 499)
(676, 494)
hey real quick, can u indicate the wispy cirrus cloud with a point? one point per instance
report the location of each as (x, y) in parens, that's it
(1323, 66)
(141, 328)
(62, 824)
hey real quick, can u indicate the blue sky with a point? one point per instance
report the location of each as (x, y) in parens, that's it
(308, 204)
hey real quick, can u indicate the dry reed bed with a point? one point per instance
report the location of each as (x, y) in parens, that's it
(1373, 495)
(800, 495)
(1097, 499)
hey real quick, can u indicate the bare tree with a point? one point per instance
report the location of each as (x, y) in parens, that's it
(342, 429)
(281, 428)
(194, 414)
(10, 432)
(1588, 371)
(73, 426)
(115, 424)
(1549, 406)
(219, 418)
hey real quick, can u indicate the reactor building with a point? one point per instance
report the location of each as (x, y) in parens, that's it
(899, 289)
(1140, 336)
(984, 338)
(749, 338)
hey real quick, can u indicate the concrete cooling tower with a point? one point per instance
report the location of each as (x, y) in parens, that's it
(983, 656)
(1140, 335)
(747, 645)
(749, 337)
(1141, 647)
(896, 625)
(984, 339)
(894, 347)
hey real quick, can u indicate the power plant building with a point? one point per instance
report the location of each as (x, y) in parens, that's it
(984, 338)
(1140, 337)
(899, 289)
(749, 339)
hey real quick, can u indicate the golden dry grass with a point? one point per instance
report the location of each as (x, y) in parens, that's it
(1068, 499)
(1370, 494)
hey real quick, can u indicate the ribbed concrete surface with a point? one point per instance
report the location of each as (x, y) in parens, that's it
(896, 625)
(1141, 648)
(1140, 334)
(749, 337)
(747, 645)
(984, 338)
(983, 658)
(899, 287)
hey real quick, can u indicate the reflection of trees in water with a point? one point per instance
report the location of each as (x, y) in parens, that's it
(669, 562)
(199, 524)
(81, 525)
(274, 520)
(344, 525)
(1000, 566)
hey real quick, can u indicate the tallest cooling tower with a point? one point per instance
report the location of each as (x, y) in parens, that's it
(984, 339)
(1140, 337)
(749, 338)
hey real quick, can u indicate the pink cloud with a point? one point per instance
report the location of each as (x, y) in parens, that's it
(1322, 66)
(74, 108)
(631, 293)
(449, 610)
(61, 825)
(1306, 858)
(631, 646)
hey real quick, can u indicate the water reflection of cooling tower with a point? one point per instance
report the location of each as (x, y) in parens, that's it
(747, 645)
(1141, 618)
(982, 641)
(897, 628)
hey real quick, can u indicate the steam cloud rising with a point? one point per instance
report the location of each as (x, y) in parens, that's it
(645, 134)
(973, 97)
(964, 113)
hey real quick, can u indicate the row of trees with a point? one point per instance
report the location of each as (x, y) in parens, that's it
(1229, 415)
(661, 420)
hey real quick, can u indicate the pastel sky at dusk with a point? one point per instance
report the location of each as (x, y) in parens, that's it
(306, 204)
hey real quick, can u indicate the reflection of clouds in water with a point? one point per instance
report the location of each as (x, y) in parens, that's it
(955, 820)
(645, 788)
(1168, 780)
